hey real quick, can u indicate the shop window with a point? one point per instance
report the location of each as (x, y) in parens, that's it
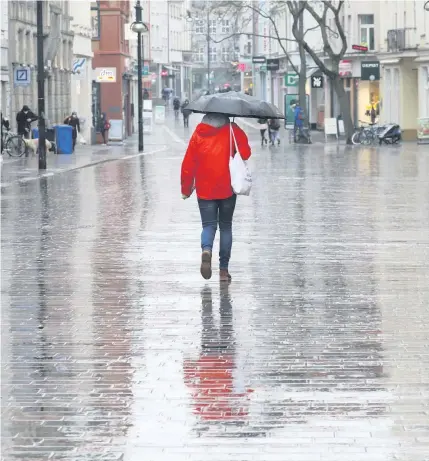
(96, 104)
(367, 32)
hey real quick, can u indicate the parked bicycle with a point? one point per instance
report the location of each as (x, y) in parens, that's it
(366, 134)
(13, 144)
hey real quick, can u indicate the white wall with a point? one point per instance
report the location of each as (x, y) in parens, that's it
(5, 89)
(81, 82)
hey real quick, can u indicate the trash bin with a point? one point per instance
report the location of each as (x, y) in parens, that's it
(35, 133)
(64, 139)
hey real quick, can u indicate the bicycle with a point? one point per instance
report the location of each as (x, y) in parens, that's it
(13, 144)
(366, 134)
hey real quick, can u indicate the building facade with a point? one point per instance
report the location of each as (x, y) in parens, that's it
(404, 59)
(215, 46)
(4, 69)
(58, 55)
(81, 77)
(112, 73)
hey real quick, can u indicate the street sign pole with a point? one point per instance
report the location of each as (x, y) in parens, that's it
(41, 86)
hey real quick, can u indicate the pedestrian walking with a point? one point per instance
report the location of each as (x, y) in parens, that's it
(205, 167)
(176, 107)
(145, 94)
(274, 127)
(73, 121)
(186, 113)
(24, 118)
(263, 126)
(104, 127)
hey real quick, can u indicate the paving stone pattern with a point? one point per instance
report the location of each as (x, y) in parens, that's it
(114, 348)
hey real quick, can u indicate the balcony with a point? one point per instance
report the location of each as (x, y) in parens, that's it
(401, 40)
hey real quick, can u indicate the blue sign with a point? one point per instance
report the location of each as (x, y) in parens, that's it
(22, 76)
(78, 65)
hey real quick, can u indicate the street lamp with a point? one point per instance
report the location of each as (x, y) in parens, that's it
(41, 86)
(139, 27)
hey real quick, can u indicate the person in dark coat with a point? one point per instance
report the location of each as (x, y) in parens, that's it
(145, 93)
(6, 125)
(103, 127)
(24, 118)
(186, 113)
(73, 121)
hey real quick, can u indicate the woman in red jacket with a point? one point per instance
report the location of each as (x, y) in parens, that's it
(206, 168)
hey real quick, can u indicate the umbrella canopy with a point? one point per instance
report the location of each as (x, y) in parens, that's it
(235, 104)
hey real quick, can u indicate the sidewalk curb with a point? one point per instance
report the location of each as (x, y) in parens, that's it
(69, 170)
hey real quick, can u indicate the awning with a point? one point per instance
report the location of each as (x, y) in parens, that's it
(389, 62)
(172, 68)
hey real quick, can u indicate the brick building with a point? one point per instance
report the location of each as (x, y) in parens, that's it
(111, 73)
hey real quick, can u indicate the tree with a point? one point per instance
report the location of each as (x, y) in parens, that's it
(329, 9)
(246, 10)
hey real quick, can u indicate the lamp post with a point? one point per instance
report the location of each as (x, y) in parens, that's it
(139, 27)
(41, 86)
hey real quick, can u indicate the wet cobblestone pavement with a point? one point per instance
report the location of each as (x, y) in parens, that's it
(114, 348)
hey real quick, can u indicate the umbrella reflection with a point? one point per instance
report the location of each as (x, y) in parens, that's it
(213, 377)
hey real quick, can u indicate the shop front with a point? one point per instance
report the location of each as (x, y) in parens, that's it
(368, 94)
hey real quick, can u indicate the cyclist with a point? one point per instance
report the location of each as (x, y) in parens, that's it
(24, 119)
(176, 107)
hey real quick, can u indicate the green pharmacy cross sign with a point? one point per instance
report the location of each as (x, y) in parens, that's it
(291, 79)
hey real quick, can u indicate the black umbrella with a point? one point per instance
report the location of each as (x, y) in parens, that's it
(235, 104)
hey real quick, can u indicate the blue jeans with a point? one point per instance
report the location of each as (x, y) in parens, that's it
(214, 212)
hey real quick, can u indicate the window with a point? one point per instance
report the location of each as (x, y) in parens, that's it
(199, 26)
(212, 26)
(95, 20)
(213, 55)
(367, 35)
(225, 54)
(225, 26)
(199, 55)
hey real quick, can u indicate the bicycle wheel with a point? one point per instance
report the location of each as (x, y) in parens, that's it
(356, 137)
(369, 137)
(15, 146)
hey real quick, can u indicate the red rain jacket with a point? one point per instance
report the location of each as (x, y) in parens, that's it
(206, 161)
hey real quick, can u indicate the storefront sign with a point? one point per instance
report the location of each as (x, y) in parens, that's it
(345, 68)
(291, 79)
(423, 129)
(370, 70)
(273, 64)
(317, 81)
(359, 47)
(105, 74)
(79, 68)
(159, 114)
(259, 59)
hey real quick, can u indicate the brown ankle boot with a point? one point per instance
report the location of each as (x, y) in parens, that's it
(224, 275)
(206, 264)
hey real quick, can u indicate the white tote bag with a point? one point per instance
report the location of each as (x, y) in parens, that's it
(241, 178)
